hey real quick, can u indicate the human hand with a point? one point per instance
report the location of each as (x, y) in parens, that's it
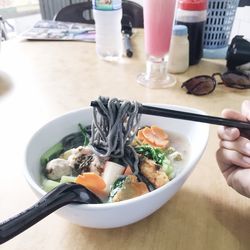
(233, 155)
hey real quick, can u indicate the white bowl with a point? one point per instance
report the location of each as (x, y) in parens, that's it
(108, 215)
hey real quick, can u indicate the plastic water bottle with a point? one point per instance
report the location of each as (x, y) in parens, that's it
(107, 16)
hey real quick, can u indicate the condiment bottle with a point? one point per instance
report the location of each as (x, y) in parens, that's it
(178, 59)
(107, 16)
(193, 14)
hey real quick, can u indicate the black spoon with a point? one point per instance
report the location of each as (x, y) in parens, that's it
(60, 196)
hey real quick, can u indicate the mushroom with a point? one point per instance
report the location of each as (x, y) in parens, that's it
(83, 160)
(56, 168)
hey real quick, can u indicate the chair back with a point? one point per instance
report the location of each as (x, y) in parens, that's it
(82, 13)
(133, 13)
(76, 13)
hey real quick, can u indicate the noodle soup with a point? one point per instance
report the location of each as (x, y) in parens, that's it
(108, 215)
(114, 158)
(161, 156)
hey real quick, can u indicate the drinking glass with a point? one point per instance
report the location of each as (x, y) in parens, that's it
(158, 22)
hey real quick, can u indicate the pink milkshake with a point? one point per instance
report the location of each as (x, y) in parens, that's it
(158, 22)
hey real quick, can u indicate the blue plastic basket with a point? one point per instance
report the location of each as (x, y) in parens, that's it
(221, 14)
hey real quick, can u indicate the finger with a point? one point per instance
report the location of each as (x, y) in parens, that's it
(241, 145)
(245, 109)
(224, 165)
(228, 158)
(226, 133)
(235, 115)
(239, 179)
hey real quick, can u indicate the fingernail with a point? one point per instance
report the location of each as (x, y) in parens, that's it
(246, 159)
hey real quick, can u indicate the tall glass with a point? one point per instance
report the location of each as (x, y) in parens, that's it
(158, 23)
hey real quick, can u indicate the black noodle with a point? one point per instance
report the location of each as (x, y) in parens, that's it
(115, 123)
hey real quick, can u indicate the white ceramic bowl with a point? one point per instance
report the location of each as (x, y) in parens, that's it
(109, 215)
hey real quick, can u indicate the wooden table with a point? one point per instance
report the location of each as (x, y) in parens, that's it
(50, 78)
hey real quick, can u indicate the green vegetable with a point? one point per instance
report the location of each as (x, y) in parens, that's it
(65, 155)
(159, 156)
(51, 153)
(65, 179)
(70, 141)
(48, 185)
(167, 167)
(117, 185)
(155, 154)
(84, 134)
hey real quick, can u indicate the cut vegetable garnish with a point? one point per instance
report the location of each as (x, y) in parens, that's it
(91, 181)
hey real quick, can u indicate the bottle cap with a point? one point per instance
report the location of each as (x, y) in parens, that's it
(192, 4)
(180, 30)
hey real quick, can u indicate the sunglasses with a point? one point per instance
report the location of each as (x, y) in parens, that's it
(205, 84)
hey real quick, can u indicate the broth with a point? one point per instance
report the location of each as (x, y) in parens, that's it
(182, 145)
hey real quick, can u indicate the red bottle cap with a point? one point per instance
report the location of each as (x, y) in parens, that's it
(192, 4)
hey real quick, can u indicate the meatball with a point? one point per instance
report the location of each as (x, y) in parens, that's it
(56, 168)
(83, 160)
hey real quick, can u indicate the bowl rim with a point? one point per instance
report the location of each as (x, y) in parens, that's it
(185, 172)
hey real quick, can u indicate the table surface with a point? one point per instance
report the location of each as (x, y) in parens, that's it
(51, 78)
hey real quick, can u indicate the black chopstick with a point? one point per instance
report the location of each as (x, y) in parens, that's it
(244, 127)
(150, 110)
(156, 111)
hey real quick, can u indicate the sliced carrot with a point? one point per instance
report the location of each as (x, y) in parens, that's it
(142, 138)
(159, 132)
(146, 141)
(154, 136)
(151, 138)
(148, 135)
(161, 143)
(140, 135)
(92, 181)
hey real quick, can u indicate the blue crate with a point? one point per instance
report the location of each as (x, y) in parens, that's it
(221, 14)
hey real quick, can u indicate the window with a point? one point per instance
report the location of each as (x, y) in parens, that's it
(17, 8)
